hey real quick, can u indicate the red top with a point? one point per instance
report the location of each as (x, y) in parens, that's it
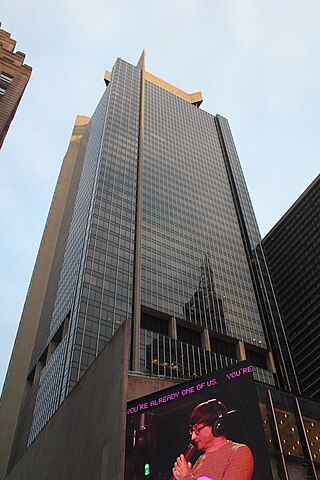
(232, 461)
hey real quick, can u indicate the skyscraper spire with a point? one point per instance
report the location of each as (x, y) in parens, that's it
(142, 61)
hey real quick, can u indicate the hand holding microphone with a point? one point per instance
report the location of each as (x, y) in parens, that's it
(182, 467)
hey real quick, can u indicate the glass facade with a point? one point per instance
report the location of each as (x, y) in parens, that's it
(95, 287)
(292, 432)
(159, 169)
(292, 251)
(194, 265)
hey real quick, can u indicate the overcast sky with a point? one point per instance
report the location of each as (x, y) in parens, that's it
(256, 62)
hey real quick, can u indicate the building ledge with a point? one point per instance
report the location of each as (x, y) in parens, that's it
(194, 98)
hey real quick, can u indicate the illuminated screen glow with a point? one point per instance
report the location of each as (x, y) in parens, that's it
(158, 429)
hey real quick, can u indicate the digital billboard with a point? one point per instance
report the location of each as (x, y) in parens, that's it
(208, 428)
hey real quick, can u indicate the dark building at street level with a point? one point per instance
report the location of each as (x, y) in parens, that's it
(14, 76)
(151, 227)
(292, 251)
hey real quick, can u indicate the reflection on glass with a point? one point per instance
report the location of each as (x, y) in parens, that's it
(299, 469)
(288, 430)
(312, 428)
(277, 468)
(267, 426)
(205, 303)
(164, 357)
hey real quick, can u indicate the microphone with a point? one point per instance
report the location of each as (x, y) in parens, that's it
(187, 455)
(189, 452)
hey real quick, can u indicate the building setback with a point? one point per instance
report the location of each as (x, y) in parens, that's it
(292, 251)
(14, 76)
(151, 226)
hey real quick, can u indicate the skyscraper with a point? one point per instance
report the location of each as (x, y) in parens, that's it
(151, 223)
(292, 250)
(14, 76)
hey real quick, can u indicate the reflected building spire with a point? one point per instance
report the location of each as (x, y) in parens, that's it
(205, 306)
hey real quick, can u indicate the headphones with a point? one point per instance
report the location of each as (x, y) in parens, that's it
(213, 413)
(218, 426)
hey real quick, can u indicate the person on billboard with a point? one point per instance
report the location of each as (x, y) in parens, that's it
(222, 459)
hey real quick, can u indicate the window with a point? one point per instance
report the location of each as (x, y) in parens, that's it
(6, 77)
(154, 324)
(257, 359)
(189, 336)
(223, 348)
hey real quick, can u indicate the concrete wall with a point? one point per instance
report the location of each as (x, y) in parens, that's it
(139, 386)
(85, 439)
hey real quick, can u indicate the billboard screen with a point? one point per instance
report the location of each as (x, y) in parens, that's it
(206, 428)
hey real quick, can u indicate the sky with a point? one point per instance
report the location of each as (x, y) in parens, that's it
(256, 62)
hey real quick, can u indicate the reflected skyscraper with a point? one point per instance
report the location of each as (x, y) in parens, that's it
(205, 303)
(152, 224)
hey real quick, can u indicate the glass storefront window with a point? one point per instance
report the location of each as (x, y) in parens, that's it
(267, 426)
(288, 430)
(270, 432)
(297, 427)
(289, 425)
(277, 467)
(312, 428)
(310, 412)
(299, 469)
